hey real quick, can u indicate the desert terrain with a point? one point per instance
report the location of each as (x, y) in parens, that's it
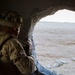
(55, 42)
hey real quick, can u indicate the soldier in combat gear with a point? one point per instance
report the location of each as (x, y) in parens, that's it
(13, 58)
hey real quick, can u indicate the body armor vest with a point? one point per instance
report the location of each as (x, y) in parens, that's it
(7, 68)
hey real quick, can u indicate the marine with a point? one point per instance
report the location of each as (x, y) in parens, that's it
(13, 58)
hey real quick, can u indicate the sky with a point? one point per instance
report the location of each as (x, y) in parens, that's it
(61, 16)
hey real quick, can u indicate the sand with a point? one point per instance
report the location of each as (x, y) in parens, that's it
(54, 42)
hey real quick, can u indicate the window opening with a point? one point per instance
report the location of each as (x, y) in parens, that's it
(55, 41)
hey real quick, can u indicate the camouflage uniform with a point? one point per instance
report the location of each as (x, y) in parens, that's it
(13, 59)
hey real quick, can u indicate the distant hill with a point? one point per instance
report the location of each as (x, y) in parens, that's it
(54, 23)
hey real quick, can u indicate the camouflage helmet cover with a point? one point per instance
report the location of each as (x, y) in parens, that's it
(10, 22)
(11, 19)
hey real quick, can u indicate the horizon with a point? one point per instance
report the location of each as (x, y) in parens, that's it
(56, 22)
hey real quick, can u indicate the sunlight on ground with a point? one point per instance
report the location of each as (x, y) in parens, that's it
(56, 41)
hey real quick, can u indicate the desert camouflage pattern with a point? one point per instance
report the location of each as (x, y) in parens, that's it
(13, 52)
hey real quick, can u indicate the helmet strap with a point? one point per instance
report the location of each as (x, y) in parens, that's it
(13, 31)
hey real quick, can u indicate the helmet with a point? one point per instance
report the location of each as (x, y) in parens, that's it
(10, 22)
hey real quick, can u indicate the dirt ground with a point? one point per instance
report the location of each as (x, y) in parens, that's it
(54, 43)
